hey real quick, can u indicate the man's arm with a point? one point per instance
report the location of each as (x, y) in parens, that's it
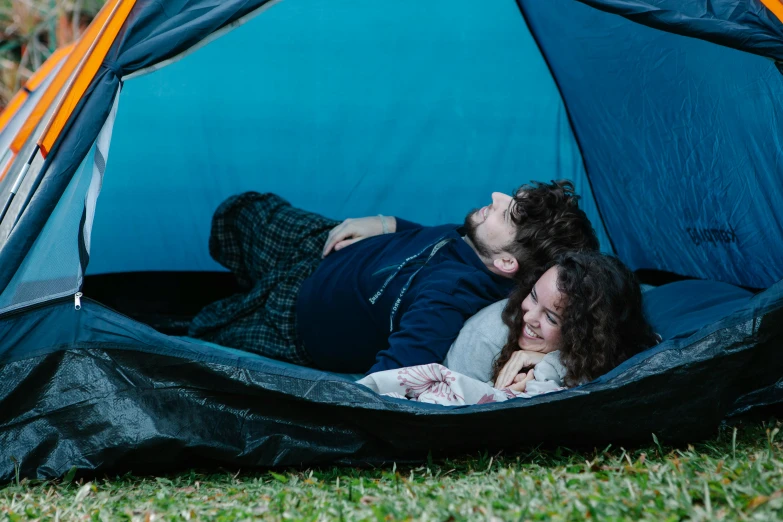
(425, 334)
(355, 229)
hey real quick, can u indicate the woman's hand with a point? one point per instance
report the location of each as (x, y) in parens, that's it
(518, 361)
(352, 230)
(520, 381)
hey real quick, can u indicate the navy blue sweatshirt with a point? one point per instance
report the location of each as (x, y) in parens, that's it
(393, 300)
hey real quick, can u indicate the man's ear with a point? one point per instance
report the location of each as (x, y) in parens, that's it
(506, 264)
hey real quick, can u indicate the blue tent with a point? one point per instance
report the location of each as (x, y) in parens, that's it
(664, 114)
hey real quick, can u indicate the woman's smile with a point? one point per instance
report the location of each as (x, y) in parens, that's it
(529, 333)
(542, 307)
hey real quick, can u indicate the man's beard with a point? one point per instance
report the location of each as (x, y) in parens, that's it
(471, 227)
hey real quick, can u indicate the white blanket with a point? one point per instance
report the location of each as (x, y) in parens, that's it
(436, 384)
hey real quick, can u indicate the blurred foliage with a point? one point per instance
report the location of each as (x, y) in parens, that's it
(30, 30)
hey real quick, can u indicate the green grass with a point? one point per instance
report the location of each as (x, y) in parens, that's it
(738, 476)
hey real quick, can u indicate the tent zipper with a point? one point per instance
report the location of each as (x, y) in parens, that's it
(77, 297)
(43, 304)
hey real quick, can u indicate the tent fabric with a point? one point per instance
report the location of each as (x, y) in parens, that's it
(675, 148)
(24, 172)
(13, 179)
(754, 26)
(683, 156)
(120, 396)
(60, 80)
(403, 127)
(22, 109)
(679, 310)
(155, 34)
(86, 71)
(64, 243)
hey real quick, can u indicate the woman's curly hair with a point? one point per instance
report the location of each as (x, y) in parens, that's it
(603, 321)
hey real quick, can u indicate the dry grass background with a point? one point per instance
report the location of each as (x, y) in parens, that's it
(30, 30)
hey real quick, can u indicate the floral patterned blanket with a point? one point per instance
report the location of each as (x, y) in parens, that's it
(436, 384)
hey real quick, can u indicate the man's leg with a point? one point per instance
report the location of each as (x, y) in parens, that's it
(261, 321)
(253, 233)
(272, 248)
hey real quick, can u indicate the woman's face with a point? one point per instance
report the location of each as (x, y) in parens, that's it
(542, 315)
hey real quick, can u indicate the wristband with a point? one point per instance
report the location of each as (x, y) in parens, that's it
(383, 224)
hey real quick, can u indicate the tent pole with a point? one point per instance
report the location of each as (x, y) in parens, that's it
(60, 104)
(17, 184)
(76, 75)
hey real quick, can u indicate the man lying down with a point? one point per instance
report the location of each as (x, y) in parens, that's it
(381, 293)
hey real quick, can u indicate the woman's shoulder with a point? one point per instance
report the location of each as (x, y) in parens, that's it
(487, 324)
(489, 317)
(480, 340)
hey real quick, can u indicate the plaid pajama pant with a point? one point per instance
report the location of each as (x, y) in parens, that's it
(271, 247)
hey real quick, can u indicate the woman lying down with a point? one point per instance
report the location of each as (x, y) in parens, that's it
(577, 321)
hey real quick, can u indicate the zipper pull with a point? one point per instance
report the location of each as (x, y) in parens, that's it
(78, 300)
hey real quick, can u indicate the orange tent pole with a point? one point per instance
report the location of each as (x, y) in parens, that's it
(40, 75)
(85, 73)
(55, 88)
(13, 106)
(102, 41)
(32, 84)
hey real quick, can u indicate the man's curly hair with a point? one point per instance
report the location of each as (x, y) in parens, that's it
(548, 223)
(603, 321)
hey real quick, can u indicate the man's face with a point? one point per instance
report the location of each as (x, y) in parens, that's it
(491, 228)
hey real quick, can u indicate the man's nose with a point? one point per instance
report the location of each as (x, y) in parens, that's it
(500, 199)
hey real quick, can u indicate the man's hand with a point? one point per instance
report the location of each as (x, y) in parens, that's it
(352, 230)
(518, 361)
